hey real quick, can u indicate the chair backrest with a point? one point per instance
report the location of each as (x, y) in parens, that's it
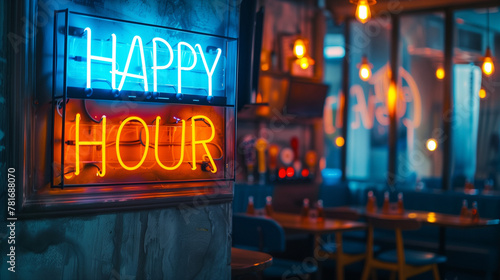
(342, 213)
(258, 233)
(393, 222)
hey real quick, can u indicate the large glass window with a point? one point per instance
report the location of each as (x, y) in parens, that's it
(368, 121)
(476, 111)
(334, 52)
(420, 100)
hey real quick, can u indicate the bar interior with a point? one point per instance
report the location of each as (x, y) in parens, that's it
(250, 139)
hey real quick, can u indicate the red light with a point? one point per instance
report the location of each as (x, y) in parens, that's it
(305, 172)
(290, 172)
(282, 173)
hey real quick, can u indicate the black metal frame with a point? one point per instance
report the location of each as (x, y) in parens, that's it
(104, 94)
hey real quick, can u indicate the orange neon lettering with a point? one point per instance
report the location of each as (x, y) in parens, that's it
(146, 144)
(183, 141)
(79, 143)
(202, 142)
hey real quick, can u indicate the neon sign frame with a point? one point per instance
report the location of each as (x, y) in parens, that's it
(63, 91)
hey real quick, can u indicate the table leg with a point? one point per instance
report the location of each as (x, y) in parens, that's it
(317, 244)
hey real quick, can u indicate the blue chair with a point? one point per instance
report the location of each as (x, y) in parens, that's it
(266, 235)
(406, 263)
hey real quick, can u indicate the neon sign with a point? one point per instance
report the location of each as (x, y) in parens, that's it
(113, 59)
(126, 102)
(375, 108)
(103, 144)
(138, 40)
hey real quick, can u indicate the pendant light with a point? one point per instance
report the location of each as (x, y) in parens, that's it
(365, 69)
(299, 46)
(363, 13)
(488, 66)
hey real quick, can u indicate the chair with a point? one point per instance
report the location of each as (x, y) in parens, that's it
(406, 263)
(265, 235)
(343, 252)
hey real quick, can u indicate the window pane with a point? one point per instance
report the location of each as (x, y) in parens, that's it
(368, 122)
(420, 100)
(476, 111)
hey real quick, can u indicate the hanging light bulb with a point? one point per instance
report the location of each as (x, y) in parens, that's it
(299, 48)
(363, 13)
(488, 67)
(440, 73)
(365, 69)
(304, 62)
(482, 93)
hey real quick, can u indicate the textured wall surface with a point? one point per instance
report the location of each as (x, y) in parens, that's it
(156, 244)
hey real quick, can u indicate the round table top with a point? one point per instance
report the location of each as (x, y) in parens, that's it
(246, 261)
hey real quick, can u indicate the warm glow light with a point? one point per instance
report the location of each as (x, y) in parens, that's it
(303, 62)
(202, 142)
(482, 93)
(363, 13)
(339, 141)
(391, 99)
(299, 48)
(365, 69)
(146, 143)
(290, 172)
(79, 143)
(364, 73)
(488, 67)
(183, 144)
(431, 144)
(440, 73)
(431, 217)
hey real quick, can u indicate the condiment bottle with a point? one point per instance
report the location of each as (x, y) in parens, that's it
(385, 207)
(250, 206)
(269, 206)
(305, 209)
(474, 213)
(401, 208)
(321, 211)
(464, 212)
(371, 204)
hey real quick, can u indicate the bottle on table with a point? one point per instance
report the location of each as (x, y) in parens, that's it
(385, 206)
(401, 208)
(474, 213)
(371, 203)
(464, 212)
(321, 211)
(305, 209)
(250, 206)
(269, 205)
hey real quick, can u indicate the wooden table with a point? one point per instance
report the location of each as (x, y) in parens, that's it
(313, 226)
(246, 261)
(431, 218)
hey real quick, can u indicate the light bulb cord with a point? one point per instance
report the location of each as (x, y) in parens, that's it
(488, 27)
